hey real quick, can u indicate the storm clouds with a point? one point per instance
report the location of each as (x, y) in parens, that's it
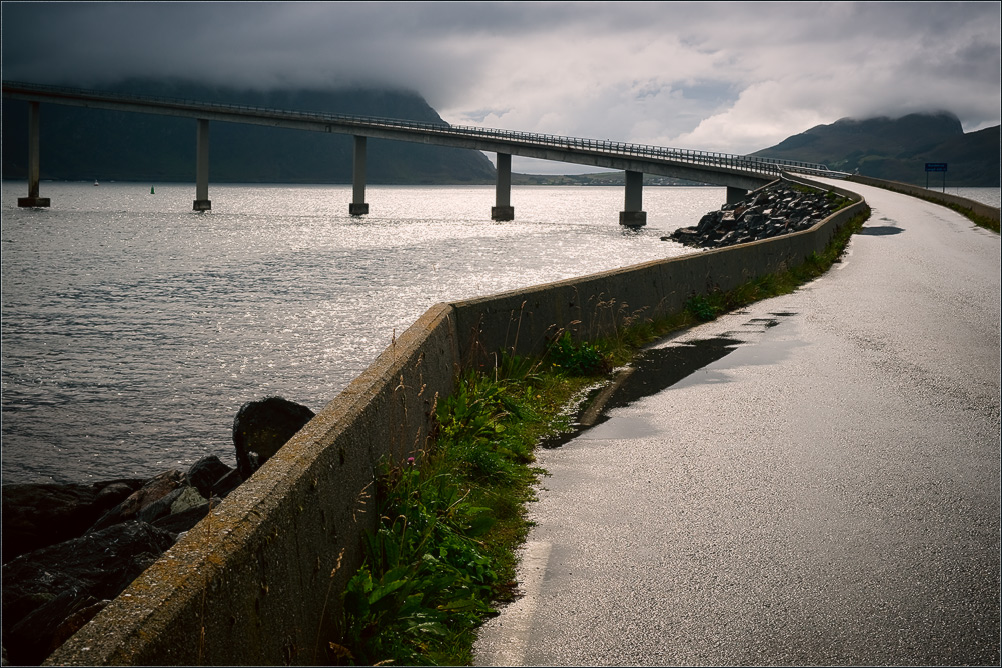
(714, 76)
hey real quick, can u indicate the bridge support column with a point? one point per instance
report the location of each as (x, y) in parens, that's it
(504, 210)
(202, 202)
(735, 195)
(633, 214)
(33, 160)
(358, 207)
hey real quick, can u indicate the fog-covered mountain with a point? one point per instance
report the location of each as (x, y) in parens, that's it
(77, 143)
(898, 149)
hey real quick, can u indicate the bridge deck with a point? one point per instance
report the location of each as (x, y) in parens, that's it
(726, 169)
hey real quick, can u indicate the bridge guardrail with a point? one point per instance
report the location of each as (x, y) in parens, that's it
(747, 163)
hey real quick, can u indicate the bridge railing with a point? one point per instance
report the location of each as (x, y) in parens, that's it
(747, 163)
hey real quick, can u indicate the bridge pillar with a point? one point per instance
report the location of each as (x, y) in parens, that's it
(633, 214)
(33, 160)
(504, 210)
(358, 207)
(202, 202)
(735, 195)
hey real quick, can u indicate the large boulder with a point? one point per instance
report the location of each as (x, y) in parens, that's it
(39, 515)
(176, 501)
(184, 520)
(779, 208)
(50, 592)
(154, 489)
(227, 484)
(205, 474)
(262, 427)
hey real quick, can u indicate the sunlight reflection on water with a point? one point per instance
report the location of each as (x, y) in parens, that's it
(133, 329)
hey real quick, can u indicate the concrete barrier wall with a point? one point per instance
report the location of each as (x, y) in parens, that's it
(258, 582)
(977, 208)
(524, 321)
(252, 584)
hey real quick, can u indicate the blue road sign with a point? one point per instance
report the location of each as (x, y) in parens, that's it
(935, 166)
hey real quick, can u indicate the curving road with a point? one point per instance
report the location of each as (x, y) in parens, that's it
(826, 492)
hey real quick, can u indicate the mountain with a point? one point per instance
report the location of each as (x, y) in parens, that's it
(897, 149)
(78, 143)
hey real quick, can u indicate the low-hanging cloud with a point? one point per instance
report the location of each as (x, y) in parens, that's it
(715, 76)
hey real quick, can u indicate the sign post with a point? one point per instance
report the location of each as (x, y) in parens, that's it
(935, 167)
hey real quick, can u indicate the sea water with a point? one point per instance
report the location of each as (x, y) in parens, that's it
(135, 328)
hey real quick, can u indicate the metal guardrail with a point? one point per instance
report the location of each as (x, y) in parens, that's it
(754, 164)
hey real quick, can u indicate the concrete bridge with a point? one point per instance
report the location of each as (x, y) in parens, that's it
(738, 173)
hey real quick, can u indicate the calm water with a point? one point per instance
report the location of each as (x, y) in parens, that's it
(133, 328)
(989, 196)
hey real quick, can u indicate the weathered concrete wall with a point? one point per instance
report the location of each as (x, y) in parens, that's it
(258, 581)
(943, 198)
(524, 321)
(255, 577)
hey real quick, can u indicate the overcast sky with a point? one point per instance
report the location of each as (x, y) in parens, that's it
(719, 76)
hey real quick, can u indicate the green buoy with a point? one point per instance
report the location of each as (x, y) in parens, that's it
(151, 190)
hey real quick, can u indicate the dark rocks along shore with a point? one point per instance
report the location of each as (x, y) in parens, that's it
(778, 208)
(69, 549)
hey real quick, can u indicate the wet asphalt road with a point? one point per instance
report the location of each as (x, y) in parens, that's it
(826, 492)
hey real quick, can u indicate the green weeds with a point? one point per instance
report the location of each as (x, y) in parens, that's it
(452, 519)
(703, 308)
(638, 332)
(838, 202)
(425, 577)
(577, 358)
(979, 220)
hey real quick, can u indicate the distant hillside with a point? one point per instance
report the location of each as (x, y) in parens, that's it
(897, 149)
(613, 178)
(82, 144)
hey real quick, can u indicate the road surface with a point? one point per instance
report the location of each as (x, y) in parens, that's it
(826, 492)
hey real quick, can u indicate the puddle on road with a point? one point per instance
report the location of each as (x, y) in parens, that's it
(658, 369)
(880, 230)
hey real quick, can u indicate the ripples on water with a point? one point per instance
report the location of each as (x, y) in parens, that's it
(989, 196)
(133, 328)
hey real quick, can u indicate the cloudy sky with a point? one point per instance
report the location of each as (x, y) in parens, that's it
(719, 76)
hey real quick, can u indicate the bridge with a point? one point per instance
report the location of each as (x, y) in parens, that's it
(737, 172)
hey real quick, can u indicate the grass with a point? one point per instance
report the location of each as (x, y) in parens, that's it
(981, 221)
(453, 518)
(640, 332)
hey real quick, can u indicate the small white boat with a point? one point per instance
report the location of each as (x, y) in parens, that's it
(95, 181)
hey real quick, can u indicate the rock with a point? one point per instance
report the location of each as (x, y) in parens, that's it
(776, 209)
(43, 588)
(160, 507)
(75, 622)
(189, 497)
(179, 522)
(262, 427)
(152, 491)
(708, 222)
(36, 516)
(227, 484)
(205, 473)
(43, 630)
